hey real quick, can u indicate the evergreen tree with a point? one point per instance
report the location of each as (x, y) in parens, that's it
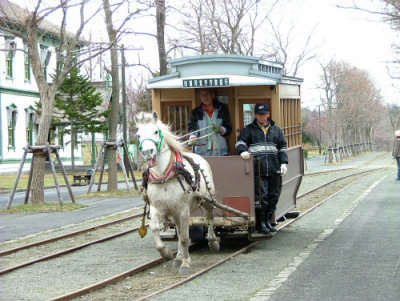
(79, 103)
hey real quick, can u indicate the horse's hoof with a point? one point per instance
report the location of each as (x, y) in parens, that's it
(166, 254)
(184, 271)
(169, 256)
(214, 246)
(177, 263)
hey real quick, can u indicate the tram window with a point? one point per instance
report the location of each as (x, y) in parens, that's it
(223, 99)
(246, 110)
(176, 114)
(291, 120)
(248, 113)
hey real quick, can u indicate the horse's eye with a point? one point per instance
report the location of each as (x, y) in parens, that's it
(155, 132)
(138, 136)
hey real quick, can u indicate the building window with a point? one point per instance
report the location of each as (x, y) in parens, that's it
(60, 135)
(60, 67)
(12, 113)
(45, 55)
(10, 52)
(52, 135)
(9, 64)
(27, 67)
(30, 118)
(44, 70)
(76, 140)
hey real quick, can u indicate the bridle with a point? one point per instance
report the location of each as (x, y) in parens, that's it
(158, 143)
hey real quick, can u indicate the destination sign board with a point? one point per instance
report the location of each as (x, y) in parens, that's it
(206, 82)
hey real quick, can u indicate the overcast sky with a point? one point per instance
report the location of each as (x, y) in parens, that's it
(360, 39)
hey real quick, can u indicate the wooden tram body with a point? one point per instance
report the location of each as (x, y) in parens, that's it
(240, 82)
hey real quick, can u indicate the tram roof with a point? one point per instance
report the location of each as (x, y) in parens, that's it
(205, 71)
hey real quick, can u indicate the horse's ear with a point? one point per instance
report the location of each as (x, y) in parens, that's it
(138, 117)
(155, 116)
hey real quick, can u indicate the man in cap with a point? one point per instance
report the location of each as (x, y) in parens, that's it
(265, 141)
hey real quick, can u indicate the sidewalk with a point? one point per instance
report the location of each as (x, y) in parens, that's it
(359, 260)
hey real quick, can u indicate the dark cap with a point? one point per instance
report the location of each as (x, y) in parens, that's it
(261, 108)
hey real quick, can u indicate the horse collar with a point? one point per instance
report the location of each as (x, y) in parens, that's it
(169, 173)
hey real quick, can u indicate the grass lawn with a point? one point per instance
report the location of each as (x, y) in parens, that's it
(47, 207)
(7, 181)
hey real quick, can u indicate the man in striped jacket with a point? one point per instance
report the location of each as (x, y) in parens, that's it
(265, 141)
(210, 117)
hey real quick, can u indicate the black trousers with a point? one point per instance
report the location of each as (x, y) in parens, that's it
(269, 189)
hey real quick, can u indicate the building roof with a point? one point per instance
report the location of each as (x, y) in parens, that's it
(10, 12)
(221, 70)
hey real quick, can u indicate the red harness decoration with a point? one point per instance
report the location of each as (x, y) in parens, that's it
(168, 174)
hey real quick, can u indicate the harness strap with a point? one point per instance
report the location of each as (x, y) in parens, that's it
(168, 174)
(175, 169)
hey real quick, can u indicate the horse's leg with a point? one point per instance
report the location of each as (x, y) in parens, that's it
(155, 227)
(213, 241)
(184, 241)
(179, 254)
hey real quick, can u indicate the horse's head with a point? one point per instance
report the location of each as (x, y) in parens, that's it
(150, 138)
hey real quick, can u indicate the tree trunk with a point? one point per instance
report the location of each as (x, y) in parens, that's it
(39, 162)
(114, 116)
(72, 146)
(160, 17)
(37, 186)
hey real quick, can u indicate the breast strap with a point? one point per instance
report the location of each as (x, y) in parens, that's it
(175, 169)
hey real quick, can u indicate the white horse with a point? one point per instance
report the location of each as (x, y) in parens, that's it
(173, 189)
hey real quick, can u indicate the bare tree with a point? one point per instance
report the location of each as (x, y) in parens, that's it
(31, 27)
(114, 116)
(350, 98)
(390, 13)
(283, 49)
(394, 116)
(221, 26)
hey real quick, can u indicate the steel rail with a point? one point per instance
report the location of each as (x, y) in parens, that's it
(66, 251)
(68, 235)
(153, 263)
(338, 179)
(346, 168)
(246, 248)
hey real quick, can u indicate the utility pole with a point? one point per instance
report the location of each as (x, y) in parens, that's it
(123, 88)
(319, 126)
(124, 123)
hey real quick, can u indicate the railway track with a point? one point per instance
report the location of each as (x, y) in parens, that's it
(143, 269)
(136, 275)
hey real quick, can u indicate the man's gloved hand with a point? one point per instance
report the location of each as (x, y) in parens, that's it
(245, 155)
(192, 141)
(216, 128)
(283, 169)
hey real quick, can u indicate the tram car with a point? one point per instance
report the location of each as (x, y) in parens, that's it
(240, 82)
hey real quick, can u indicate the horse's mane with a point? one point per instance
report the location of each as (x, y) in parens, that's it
(170, 138)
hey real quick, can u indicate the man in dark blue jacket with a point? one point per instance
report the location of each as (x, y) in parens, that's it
(212, 119)
(265, 141)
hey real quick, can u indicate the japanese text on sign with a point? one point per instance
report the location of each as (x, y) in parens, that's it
(205, 82)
